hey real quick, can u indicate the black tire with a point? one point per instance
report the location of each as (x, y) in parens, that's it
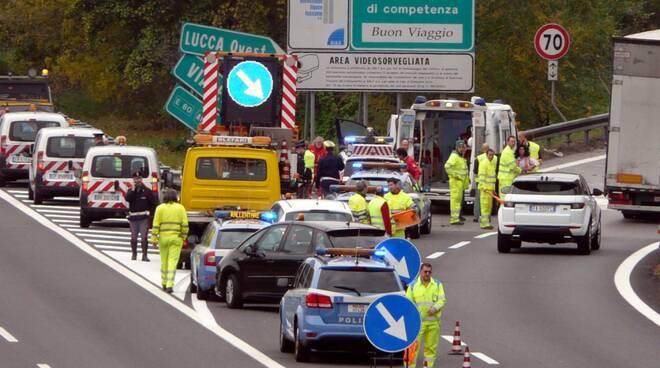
(203, 294)
(232, 293)
(30, 193)
(286, 345)
(192, 287)
(584, 242)
(595, 242)
(426, 228)
(413, 232)
(629, 215)
(300, 352)
(38, 197)
(3, 181)
(503, 243)
(85, 221)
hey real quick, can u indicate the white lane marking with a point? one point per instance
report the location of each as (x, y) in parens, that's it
(103, 241)
(43, 365)
(574, 163)
(18, 191)
(485, 235)
(227, 336)
(435, 255)
(66, 221)
(485, 358)
(117, 220)
(94, 231)
(101, 236)
(55, 207)
(622, 282)
(203, 312)
(123, 249)
(450, 338)
(65, 212)
(181, 287)
(7, 336)
(458, 245)
(55, 215)
(21, 196)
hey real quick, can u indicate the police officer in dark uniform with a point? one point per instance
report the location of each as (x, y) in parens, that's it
(142, 202)
(329, 168)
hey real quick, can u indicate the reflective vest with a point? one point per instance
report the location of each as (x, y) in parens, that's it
(487, 174)
(456, 167)
(425, 297)
(478, 163)
(375, 213)
(398, 203)
(170, 219)
(358, 205)
(508, 167)
(534, 150)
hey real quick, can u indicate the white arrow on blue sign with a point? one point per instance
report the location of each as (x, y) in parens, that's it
(249, 84)
(403, 256)
(392, 323)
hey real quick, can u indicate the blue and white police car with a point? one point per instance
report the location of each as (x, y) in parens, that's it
(227, 232)
(325, 308)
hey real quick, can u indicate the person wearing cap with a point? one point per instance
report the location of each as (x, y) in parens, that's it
(411, 166)
(508, 167)
(303, 175)
(487, 181)
(457, 170)
(398, 201)
(329, 168)
(379, 211)
(120, 140)
(358, 203)
(141, 204)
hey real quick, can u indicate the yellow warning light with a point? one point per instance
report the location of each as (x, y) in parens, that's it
(433, 104)
(44, 72)
(465, 105)
(230, 140)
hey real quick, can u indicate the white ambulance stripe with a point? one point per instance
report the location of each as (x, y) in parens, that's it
(62, 216)
(64, 212)
(94, 231)
(55, 207)
(123, 249)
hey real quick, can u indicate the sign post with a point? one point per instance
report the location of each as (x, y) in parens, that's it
(552, 42)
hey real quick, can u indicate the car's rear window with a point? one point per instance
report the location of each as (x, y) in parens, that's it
(319, 216)
(351, 238)
(220, 168)
(23, 91)
(230, 239)
(119, 166)
(546, 187)
(26, 131)
(362, 281)
(68, 147)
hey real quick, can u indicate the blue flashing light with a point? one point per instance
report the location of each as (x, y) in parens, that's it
(350, 139)
(321, 251)
(420, 99)
(379, 254)
(386, 189)
(221, 215)
(268, 216)
(357, 165)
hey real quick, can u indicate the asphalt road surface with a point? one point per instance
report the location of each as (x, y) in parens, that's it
(543, 306)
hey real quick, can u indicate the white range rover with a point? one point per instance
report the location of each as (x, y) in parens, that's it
(549, 208)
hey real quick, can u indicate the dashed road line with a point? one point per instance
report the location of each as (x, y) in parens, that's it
(461, 244)
(485, 235)
(435, 255)
(7, 336)
(485, 358)
(43, 365)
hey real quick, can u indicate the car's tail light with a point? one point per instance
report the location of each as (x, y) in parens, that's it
(209, 258)
(577, 206)
(509, 204)
(154, 182)
(185, 244)
(85, 181)
(314, 300)
(618, 198)
(40, 161)
(3, 144)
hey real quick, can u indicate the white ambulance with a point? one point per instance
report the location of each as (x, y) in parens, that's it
(57, 161)
(18, 130)
(108, 175)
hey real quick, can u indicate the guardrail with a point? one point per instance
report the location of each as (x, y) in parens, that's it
(569, 127)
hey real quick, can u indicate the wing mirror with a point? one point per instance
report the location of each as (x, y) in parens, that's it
(597, 192)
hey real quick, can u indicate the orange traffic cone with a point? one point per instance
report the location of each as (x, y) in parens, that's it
(466, 358)
(456, 348)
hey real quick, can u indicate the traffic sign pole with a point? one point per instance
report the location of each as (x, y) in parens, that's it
(552, 42)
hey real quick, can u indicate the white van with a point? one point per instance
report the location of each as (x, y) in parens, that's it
(18, 131)
(108, 174)
(57, 161)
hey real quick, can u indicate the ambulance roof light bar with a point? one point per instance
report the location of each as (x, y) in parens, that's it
(225, 140)
(379, 165)
(353, 139)
(266, 216)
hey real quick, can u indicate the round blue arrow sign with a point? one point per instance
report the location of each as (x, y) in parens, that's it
(249, 84)
(403, 256)
(392, 323)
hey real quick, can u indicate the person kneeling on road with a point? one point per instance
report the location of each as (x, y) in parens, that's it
(170, 228)
(141, 204)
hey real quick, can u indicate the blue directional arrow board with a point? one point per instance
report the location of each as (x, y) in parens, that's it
(403, 256)
(392, 323)
(249, 84)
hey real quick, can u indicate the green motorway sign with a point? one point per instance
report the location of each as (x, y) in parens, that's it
(189, 70)
(197, 39)
(413, 25)
(184, 107)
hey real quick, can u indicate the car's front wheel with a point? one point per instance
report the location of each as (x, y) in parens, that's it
(233, 292)
(413, 232)
(503, 243)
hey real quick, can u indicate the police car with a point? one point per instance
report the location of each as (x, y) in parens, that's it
(549, 208)
(378, 177)
(311, 210)
(325, 308)
(229, 230)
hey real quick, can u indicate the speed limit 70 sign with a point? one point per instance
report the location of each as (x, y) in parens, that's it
(551, 41)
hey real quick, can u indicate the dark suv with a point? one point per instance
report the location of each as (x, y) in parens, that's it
(264, 266)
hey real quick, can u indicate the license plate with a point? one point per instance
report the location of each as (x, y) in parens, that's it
(61, 175)
(107, 197)
(542, 208)
(18, 159)
(357, 308)
(350, 320)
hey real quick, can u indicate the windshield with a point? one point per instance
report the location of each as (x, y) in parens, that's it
(118, 166)
(364, 281)
(230, 239)
(26, 131)
(546, 188)
(68, 147)
(319, 216)
(23, 91)
(351, 238)
(220, 168)
(406, 186)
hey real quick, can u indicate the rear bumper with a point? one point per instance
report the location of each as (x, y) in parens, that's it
(61, 191)
(543, 234)
(205, 275)
(333, 336)
(14, 173)
(634, 208)
(101, 213)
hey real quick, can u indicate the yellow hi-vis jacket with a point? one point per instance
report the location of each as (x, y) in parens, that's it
(508, 167)
(375, 213)
(425, 297)
(358, 205)
(487, 174)
(534, 150)
(170, 219)
(398, 203)
(457, 168)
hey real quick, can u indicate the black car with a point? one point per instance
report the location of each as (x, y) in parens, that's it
(264, 266)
